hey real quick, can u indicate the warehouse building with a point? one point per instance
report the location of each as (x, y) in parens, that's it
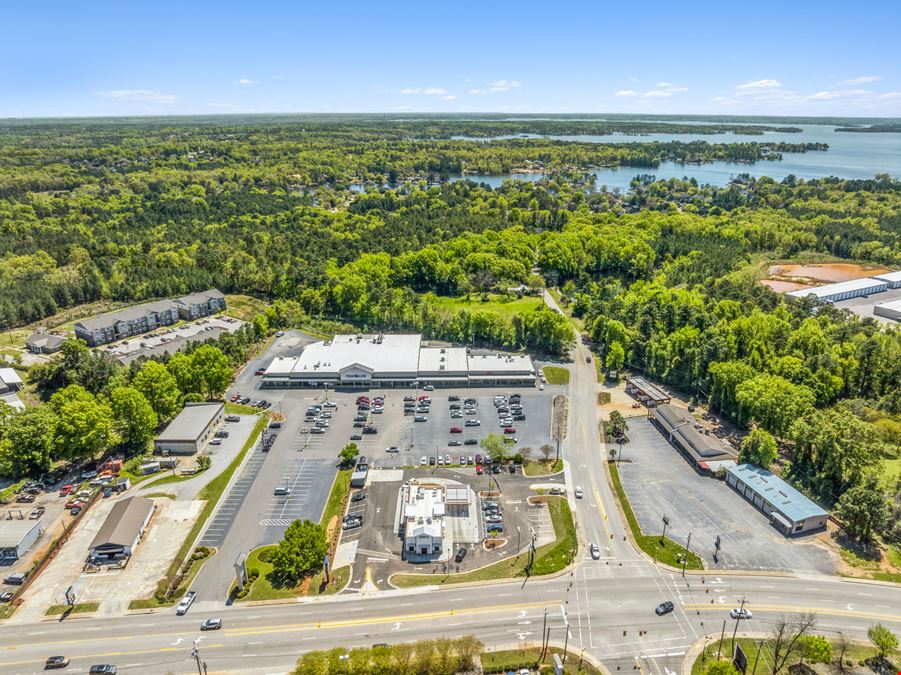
(705, 452)
(16, 537)
(191, 429)
(395, 361)
(844, 290)
(789, 511)
(888, 310)
(123, 528)
(893, 279)
(647, 393)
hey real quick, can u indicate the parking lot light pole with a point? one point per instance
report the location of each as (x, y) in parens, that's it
(665, 523)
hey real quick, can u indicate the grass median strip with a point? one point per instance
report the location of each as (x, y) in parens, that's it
(665, 550)
(211, 494)
(77, 608)
(542, 468)
(506, 660)
(550, 558)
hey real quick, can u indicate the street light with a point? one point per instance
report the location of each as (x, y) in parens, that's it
(665, 523)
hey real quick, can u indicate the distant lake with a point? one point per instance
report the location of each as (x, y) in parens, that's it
(850, 155)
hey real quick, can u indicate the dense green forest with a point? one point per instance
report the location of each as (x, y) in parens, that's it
(665, 276)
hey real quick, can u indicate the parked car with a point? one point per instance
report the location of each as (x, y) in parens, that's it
(75, 510)
(282, 491)
(420, 418)
(461, 553)
(36, 513)
(216, 441)
(473, 423)
(432, 461)
(428, 387)
(509, 430)
(479, 470)
(15, 579)
(25, 498)
(358, 496)
(353, 523)
(471, 441)
(494, 528)
(211, 624)
(275, 425)
(456, 430)
(370, 430)
(72, 503)
(221, 434)
(320, 430)
(353, 437)
(7, 596)
(491, 518)
(393, 448)
(186, 603)
(664, 608)
(455, 443)
(259, 371)
(424, 461)
(65, 490)
(447, 460)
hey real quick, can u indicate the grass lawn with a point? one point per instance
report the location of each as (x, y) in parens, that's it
(160, 495)
(7, 609)
(665, 550)
(542, 468)
(513, 659)
(173, 478)
(265, 588)
(872, 568)
(77, 608)
(858, 651)
(10, 491)
(556, 375)
(238, 409)
(549, 558)
(244, 307)
(499, 304)
(335, 503)
(211, 495)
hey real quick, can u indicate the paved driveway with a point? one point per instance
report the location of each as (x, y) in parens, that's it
(660, 482)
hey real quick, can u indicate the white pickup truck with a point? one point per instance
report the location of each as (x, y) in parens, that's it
(185, 603)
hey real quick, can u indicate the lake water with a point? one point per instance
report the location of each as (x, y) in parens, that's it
(850, 155)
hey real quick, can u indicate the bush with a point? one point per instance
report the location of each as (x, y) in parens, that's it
(265, 556)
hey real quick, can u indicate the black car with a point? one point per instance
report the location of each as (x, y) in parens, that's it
(370, 430)
(356, 437)
(358, 497)
(664, 608)
(453, 398)
(409, 398)
(103, 669)
(461, 553)
(432, 461)
(54, 662)
(512, 468)
(471, 441)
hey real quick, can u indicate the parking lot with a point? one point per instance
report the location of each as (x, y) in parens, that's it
(659, 481)
(173, 338)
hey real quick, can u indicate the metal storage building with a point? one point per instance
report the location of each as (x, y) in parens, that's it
(842, 291)
(893, 279)
(16, 537)
(191, 429)
(789, 511)
(122, 530)
(707, 453)
(888, 310)
(647, 393)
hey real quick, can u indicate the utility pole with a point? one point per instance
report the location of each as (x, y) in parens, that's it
(685, 558)
(757, 658)
(665, 523)
(719, 649)
(566, 637)
(195, 652)
(737, 621)
(544, 630)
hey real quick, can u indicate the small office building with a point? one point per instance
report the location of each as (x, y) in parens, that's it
(789, 511)
(42, 342)
(16, 537)
(705, 452)
(123, 528)
(647, 393)
(191, 429)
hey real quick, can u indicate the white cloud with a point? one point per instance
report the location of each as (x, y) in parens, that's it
(138, 96)
(428, 91)
(863, 79)
(891, 94)
(758, 85)
(244, 82)
(664, 85)
(824, 95)
(663, 90)
(477, 92)
(505, 85)
(657, 93)
(626, 93)
(449, 97)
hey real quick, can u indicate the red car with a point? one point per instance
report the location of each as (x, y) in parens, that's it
(424, 398)
(260, 371)
(509, 430)
(235, 398)
(72, 503)
(478, 469)
(456, 430)
(65, 490)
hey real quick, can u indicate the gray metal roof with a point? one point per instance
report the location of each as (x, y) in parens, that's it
(12, 532)
(127, 314)
(201, 297)
(123, 524)
(680, 423)
(45, 340)
(190, 422)
(784, 498)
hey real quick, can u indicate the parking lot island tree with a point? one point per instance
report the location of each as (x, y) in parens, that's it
(348, 455)
(300, 553)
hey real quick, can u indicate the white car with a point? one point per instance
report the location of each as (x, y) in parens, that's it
(540, 387)
(595, 551)
(740, 613)
(185, 603)
(424, 461)
(393, 448)
(579, 493)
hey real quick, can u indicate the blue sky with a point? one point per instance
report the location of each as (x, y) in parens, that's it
(195, 57)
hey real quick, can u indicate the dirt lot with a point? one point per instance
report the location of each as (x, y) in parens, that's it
(115, 588)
